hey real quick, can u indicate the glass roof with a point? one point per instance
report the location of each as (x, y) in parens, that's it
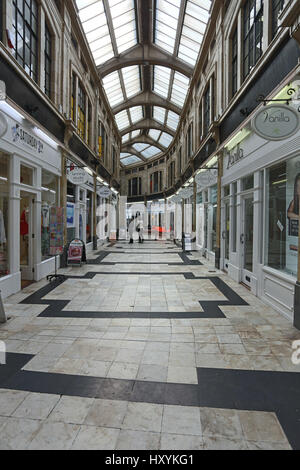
(108, 38)
(180, 27)
(128, 117)
(112, 27)
(122, 85)
(147, 150)
(163, 138)
(130, 136)
(168, 118)
(170, 85)
(129, 159)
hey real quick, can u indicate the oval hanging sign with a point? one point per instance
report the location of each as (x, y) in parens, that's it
(276, 122)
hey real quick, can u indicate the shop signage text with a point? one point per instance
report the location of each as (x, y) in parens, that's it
(3, 125)
(104, 192)
(77, 175)
(22, 136)
(234, 156)
(276, 122)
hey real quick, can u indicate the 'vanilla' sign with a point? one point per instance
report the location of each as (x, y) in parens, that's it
(276, 122)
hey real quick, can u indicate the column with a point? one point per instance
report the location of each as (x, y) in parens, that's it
(77, 211)
(14, 217)
(219, 213)
(194, 216)
(95, 214)
(37, 211)
(257, 230)
(63, 203)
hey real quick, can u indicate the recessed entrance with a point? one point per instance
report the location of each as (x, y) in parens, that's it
(26, 238)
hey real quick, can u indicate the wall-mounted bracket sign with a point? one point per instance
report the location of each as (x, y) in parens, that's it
(76, 174)
(276, 122)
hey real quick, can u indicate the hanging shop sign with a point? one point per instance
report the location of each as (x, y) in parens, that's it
(56, 231)
(77, 175)
(104, 192)
(3, 125)
(276, 122)
(75, 252)
(207, 178)
(21, 136)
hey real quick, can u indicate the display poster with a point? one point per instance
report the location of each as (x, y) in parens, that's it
(75, 252)
(293, 205)
(56, 231)
(70, 215)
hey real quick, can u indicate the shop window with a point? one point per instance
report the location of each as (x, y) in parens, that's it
(73, 98)
(89, 216)
(49, 199)
(71, 212)
(81, 105)
(234, 63)
(25, 30)
(48, 61)
(206, 116)
(214, 206)
(252, 34)
(282, 216)
(4, 201)
(26, 175)
(234, 219)
(189, 142)
(248, 183)
(277, 7)
(226, 191)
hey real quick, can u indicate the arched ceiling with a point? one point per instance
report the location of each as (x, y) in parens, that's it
(145, 51)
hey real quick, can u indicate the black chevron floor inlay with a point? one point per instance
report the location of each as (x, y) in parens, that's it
(211, 309)
(276, 392)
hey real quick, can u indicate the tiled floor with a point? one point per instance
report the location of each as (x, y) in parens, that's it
(147, 348)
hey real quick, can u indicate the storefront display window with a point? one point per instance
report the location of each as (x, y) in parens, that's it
(26, 175)
(214, 206)
(70, 212)
(234, 218)
(49, 199)
(282, 212)
(89, 215)
(248, 182)
(4, 236)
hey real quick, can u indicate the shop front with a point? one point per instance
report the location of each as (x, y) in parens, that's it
(30, 168)
(260, 214)
(206, 212)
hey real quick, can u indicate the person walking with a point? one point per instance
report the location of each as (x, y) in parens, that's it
(141, 230)
(131, 229)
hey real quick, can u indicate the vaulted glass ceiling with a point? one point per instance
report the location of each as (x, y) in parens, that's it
(185, 20)
(141, 90)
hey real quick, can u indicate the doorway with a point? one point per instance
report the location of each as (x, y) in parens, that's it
(247, 239)
(226, 234)
(26, 238)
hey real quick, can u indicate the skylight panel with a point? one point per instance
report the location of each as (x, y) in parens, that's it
(194, 25)
(131, 77)
(159, 114)
(125, 138)
(150, 152)
(123, 155)
(113, 89)
(154, 134)
(135, 134)
(172, 120)
(122, 120)
(167, 14)
(130, 160)
(162, 77)
(124, 23)
(136, 114)
(179, 89)
(140, 147)
(165, 139)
